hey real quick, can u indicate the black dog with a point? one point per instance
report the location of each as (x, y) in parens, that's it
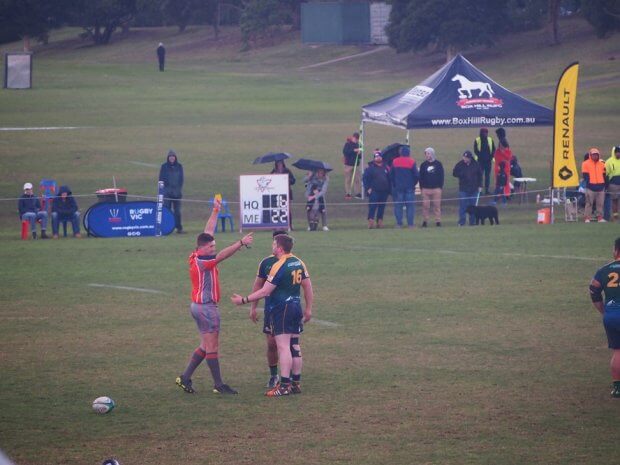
(482, 213)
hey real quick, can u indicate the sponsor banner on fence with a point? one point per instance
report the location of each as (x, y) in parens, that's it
(564, 171)
(264, 201)
(130, 219)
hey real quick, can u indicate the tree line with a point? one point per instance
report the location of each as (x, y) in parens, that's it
(446, 25)
(34, 19)
(453, 25)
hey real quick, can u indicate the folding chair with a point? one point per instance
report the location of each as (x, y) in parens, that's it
(223, 215)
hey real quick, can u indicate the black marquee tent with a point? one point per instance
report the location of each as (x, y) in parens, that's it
(456, 96)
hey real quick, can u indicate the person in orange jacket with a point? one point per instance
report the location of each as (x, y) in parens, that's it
(593, 172)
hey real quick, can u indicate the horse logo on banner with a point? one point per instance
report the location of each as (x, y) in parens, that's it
(482, 101)
(468, 86)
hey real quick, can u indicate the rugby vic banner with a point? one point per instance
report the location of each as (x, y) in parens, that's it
(564, 169)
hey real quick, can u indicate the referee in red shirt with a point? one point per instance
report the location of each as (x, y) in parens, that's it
(203, 273)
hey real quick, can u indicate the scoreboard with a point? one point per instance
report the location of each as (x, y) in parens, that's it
(264, 201)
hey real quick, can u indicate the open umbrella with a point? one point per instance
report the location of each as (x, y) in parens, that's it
(390, 152)
(312, 165)
(271, 157)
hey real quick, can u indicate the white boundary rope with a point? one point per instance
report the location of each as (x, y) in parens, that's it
(347, 203)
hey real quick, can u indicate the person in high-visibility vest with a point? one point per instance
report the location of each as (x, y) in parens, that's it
(484, 147)
(593, 171)
(612, 171)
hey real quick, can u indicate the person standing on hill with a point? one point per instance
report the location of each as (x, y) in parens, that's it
(607, 281)
(161, 56)
(484, 148)
(171, 173)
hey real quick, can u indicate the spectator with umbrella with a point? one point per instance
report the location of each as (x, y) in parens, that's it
(316, 190)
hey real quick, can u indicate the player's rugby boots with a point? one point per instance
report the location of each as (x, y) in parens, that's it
(224, 389)
(295, 388)
(185, 384)
(278, 391)
(615, 392)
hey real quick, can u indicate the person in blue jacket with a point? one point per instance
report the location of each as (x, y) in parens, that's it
(376, 181)
(171, 173)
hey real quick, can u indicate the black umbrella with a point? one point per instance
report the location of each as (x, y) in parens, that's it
(390, 152)
(271, 157)
(312, 165)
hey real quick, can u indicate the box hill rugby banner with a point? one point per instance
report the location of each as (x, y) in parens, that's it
(564, 169)
(130, 219)
(264, 201)
(458, 95)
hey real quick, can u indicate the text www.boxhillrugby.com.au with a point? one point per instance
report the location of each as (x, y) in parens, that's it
(482, 121)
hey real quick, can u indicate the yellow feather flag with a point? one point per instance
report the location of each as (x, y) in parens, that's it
(564, 170)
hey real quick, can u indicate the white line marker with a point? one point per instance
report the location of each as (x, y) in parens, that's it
(127, 288)
(329, 324)
(141, 163)
(51, 128)
(349, 57)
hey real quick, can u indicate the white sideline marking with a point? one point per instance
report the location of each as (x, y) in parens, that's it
(51, 128)
(325, 323)
(460, 252)
(141, 163)
(23, 318)
(349, 57)
(127, 288)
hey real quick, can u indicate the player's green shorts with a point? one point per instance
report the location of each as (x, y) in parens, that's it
(286, 318)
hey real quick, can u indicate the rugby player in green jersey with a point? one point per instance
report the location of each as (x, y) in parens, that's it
(283, 286)
(272, 349)
(607, 281)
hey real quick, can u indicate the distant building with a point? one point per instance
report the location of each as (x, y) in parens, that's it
(344, 22)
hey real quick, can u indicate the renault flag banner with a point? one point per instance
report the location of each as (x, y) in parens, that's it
(264, 201)
(564, 169)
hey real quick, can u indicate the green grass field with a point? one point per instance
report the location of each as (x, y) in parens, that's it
(442, 346)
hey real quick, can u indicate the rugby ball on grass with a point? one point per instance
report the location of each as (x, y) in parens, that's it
(103, 405)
